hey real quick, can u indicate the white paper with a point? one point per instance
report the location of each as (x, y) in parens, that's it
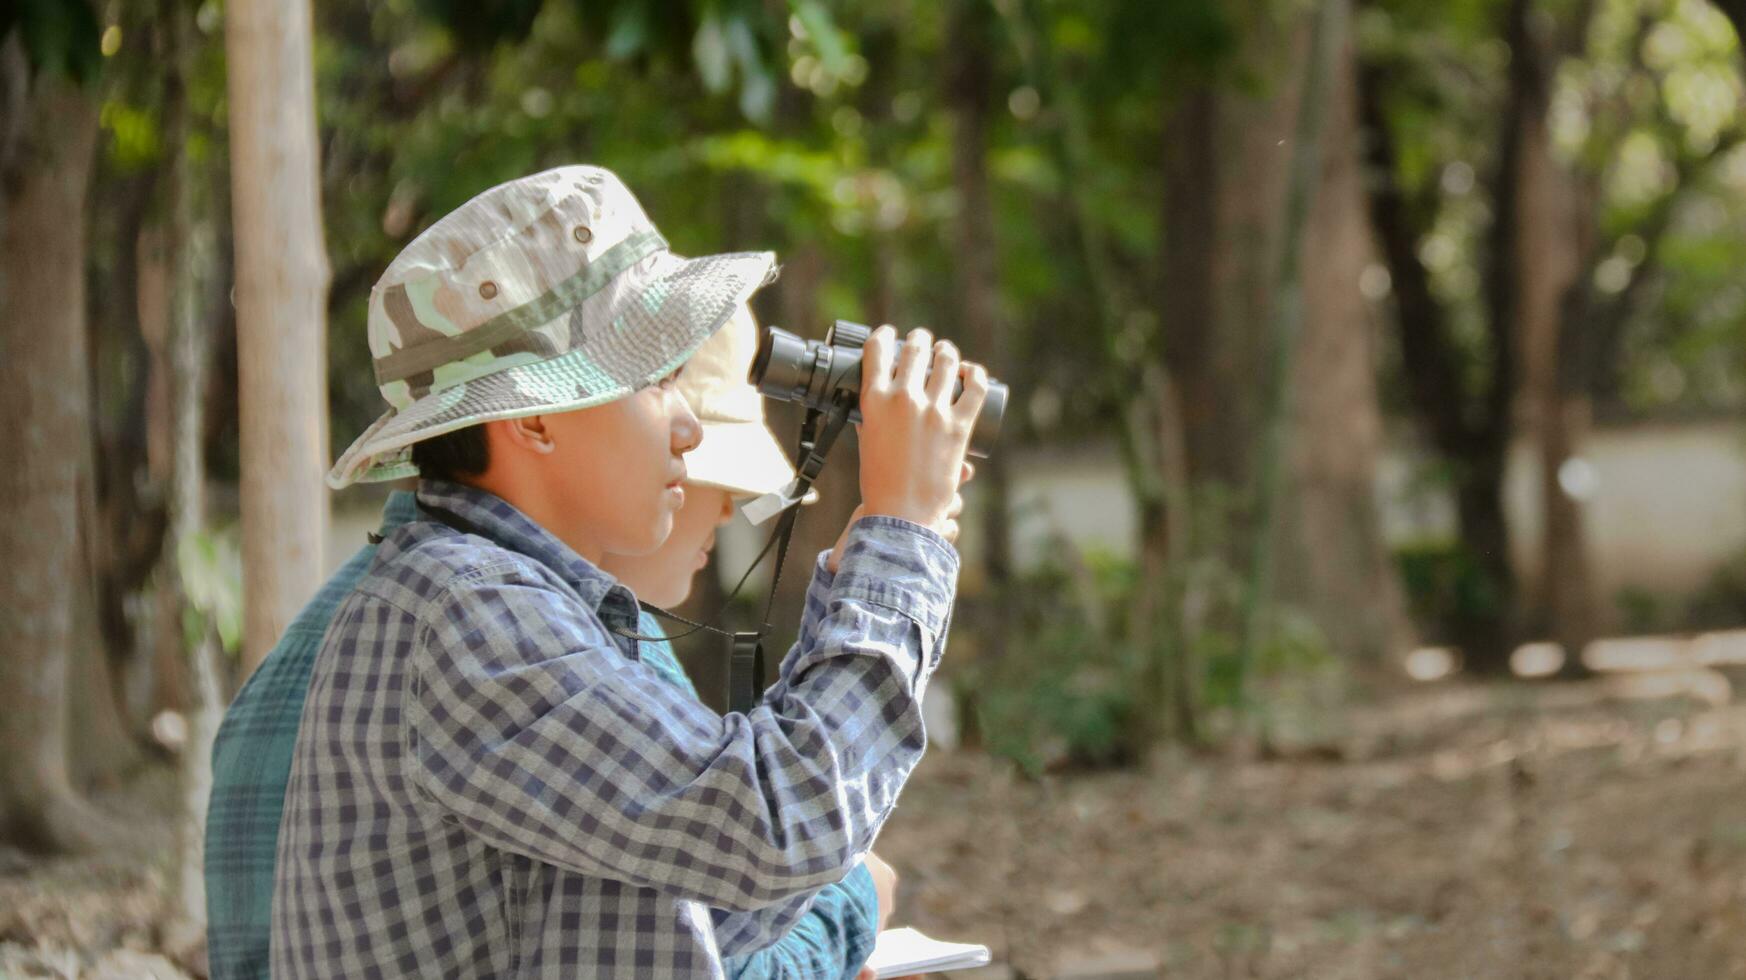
(901, 952)
(769, 505)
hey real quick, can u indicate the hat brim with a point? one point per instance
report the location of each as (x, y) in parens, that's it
(680, 303)
(742, 458)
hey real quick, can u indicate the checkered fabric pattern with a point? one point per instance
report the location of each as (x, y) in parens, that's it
(252, 762)
(489, 781)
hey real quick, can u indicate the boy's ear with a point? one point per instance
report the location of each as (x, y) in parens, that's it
(528, 432)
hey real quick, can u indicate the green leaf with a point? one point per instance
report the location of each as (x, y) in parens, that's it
(709, 49)
(61, 37)
(210, 563)
(829, 41)
(630, 31)
(757, 84)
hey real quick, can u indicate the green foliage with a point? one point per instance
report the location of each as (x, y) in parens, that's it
(133, 135)
(1445, 585)
(1640, 611)
(1087, 683)
(210, 565)
(1721, 603)
(61, 37)
(1645, 110)
(1068, 691)
(480, 25)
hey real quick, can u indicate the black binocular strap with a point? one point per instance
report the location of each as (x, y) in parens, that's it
(745, 682)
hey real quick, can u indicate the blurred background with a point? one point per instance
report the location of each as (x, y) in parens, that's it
(1358, 589)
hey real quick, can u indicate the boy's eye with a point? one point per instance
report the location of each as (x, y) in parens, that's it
(667, 382)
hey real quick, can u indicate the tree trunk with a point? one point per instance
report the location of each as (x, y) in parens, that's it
(188, 358)
(1333, 561)
(1226, 160)
(281, 287)
(1552, 241)
(1224, 173)
(969, 85)
(127, 530)
(44, 400)
(102, 748)
(1469, 424)
(157, 296)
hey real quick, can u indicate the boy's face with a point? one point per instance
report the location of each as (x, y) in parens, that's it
(664, 576)
(620, 470)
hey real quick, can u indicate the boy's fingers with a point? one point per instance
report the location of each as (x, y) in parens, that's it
(943, 374)
(912, 359)
(969, 404)
(877, 358)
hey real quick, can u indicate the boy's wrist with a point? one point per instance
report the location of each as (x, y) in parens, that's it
(901, 564)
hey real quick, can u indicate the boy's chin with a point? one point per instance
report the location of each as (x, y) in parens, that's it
(657, 535)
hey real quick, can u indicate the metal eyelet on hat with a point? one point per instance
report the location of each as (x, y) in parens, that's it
(488, 289)
(583, 234)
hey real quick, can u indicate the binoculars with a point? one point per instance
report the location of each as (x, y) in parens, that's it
(792, 369)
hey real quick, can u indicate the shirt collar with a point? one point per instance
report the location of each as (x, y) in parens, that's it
(491, 517)
(401, 508)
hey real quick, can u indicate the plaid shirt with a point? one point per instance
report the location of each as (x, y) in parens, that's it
(251, 763)
(489, 781)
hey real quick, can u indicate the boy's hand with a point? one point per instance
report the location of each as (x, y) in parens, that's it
(913, 434)
(884, 885)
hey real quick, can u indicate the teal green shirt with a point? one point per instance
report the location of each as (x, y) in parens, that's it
(251, 765)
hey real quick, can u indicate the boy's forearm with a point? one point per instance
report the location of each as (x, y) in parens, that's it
(820, 590)
(740, 812)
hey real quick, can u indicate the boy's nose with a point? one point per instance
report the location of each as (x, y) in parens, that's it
(687, 431)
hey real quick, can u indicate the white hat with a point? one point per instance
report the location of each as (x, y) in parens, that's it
(738, 452)
(549, 293)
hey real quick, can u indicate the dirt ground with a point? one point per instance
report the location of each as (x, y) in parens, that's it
(1573, 830)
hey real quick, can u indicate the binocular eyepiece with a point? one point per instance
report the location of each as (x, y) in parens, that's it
(792, 369)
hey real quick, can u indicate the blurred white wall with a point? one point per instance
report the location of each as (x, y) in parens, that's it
(1668, 507)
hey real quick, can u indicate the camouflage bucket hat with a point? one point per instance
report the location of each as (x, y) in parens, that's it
(549, 293)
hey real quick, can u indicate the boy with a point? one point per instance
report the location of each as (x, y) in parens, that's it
(487, 780)
(252, 757)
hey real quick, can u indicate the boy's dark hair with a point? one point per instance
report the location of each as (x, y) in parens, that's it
(452, 455)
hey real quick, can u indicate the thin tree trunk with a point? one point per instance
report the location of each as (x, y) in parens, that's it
(969, 86)
(1554, 237)
(188, 358)
(157, 296)
(1469, 429)
(44, 400)
(1326, 41)
(281, 288)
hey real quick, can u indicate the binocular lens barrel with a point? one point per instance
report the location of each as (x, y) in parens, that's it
(793, 369)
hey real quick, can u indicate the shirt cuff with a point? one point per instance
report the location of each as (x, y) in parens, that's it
(860, 916)
(902, 565)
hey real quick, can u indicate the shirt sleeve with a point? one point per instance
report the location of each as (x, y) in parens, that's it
(529, 728)
(833, 939)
